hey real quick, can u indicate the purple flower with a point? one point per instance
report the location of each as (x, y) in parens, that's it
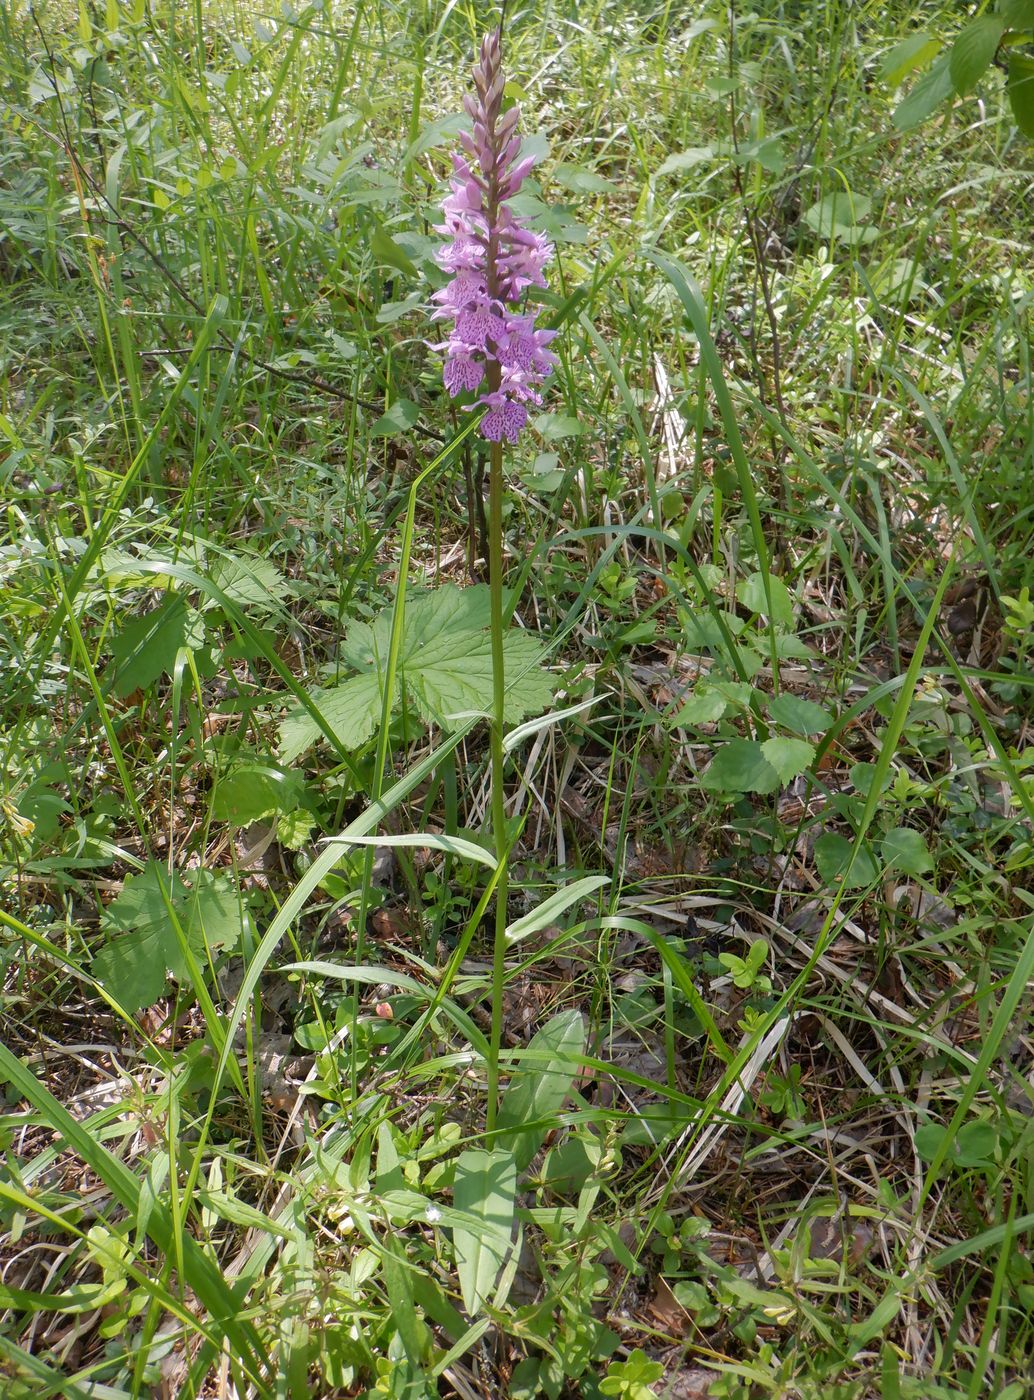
(492, 261)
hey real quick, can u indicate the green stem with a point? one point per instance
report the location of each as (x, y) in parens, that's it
(499, 832)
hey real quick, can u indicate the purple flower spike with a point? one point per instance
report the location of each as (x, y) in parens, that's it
(492, 260)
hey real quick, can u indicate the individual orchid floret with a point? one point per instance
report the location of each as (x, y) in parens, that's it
(492, 260)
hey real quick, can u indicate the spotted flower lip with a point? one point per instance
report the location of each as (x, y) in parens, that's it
(492, 260)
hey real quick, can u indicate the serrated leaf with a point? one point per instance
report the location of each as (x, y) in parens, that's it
(913, 52)
(213, 914)
(751, 593)
(254, 584)
(445, 671)
(452, 679)
(705, 706)
(352, 710)
(800, 715)
(740, 766)
(789, 757)
(140, 904)
(132, 968)
(1020, 86)
(973, 50)
(906, 849)
(537, 1090)
(293, 829)
(833, 855)
(484, 1190)
(933, 89)
(146, 647)
(142, 947)
(446, 660)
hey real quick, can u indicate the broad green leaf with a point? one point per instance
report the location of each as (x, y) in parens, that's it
(254, 584)
(582, 181)
(142, 948)
(402, 414)
(387, 251)
(551, 427)
(912, 53)
(973, 50)
(862, 776)
(484, 1190)
(841, 216)
(975, 1145)
(906, 849)
(788, 757)
(833, 856)
(751, 593)
(445, 671)
(703, 630)
(437, 133)
(686, 160)
(925, 97)
(214, 914)
(351, 709)
(768, 153)
(451, 677)
(133, 969)
(740, 766)
(540, 1084)
(550, 909)
(898, 281)
(556, 220)
(704, 706)
(140, 904)
(1018, 14)
(802, 716)
(1020, 87)
(399, 418)
(253, 791)
(146, 647)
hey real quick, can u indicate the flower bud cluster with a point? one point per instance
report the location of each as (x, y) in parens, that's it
(493, 346)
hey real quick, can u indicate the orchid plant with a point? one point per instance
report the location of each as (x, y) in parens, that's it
(496, 351)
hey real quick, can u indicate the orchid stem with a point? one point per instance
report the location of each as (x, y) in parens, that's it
(499, 831)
